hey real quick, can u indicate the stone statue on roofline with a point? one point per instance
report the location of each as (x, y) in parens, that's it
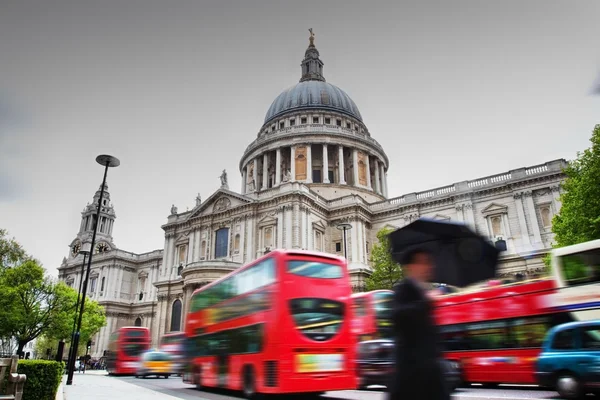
(223, 177)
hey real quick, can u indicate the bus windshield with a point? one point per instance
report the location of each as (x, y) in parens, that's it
(383, 314)
(134, 349)
(317, 319)
(313, 269)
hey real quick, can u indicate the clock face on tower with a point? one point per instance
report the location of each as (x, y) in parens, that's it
(75, 249)
(102, 247)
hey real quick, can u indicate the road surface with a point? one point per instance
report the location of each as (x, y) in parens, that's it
(175, 387)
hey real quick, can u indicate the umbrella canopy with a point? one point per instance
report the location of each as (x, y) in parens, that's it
(462, 257)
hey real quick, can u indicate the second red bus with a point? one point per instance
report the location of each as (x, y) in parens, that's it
(125, 348)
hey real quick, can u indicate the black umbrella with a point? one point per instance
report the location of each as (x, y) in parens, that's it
(462, 257)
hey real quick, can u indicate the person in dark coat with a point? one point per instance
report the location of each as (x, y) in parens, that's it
(419, 372)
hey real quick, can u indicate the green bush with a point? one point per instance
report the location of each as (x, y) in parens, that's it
(43, 378)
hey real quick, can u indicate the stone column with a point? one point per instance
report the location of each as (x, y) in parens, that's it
(279, 228)
(377, 182)
(255, 174)
(293, 162)
(306, 229)
(278, 167)
(190, 252)
(165, 254)
(244, 179)
(368, 173)
(556, 198)
(384, 184)
(265, 181)
(325, 171)
(354, 241)
(295, 225)
(525, 241)
(535, 225)
(197, 242)
(309, 163)
(341, 171)
(360, 242)
(355, 167)
(289, 244)
(250, 247)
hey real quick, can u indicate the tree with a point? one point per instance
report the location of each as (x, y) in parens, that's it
(11, 251)
(29, 302)
(386, 272)
(579, 218)
(61, 327)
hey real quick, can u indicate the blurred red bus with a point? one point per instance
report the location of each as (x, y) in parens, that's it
(372, 315)
(173, 344)
(496, 333)
(278, 325)
(125, 348)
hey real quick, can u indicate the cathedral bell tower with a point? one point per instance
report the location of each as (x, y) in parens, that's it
(104, 240)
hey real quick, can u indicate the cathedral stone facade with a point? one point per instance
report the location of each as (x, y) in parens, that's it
(312, 166)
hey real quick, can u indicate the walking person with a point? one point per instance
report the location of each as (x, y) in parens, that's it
(419, 373)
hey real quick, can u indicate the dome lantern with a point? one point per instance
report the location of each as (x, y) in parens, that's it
(312, 66)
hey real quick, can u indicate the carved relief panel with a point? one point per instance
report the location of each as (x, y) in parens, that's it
(300, 163)
(362, 169)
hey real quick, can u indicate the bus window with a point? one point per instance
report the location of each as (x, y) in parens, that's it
(315, 269)
(530, 332)
(488, 335)
(581, 268)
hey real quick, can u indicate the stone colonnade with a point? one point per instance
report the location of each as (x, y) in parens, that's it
(315, 163)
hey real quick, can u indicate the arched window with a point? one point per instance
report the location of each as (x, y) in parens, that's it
(176, 316)
(138, 321)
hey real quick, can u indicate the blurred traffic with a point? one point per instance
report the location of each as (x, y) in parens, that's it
(288, 323)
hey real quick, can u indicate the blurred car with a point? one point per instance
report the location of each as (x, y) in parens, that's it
(155, 363)
(570, 359)
(375, 364)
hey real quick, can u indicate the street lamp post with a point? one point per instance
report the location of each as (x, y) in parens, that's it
(106, 161)
(73, 351)
(344, 227)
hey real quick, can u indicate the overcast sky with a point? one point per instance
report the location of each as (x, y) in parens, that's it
(453, 90)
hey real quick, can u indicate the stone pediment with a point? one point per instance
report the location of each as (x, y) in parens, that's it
(183, 238)
(267, 221)
(318, 225)
(494, 208)
(441, 217)
(219, 201)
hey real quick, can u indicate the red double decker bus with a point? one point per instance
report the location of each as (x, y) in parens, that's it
(125, 347)
(496, 333)
(278, 325)
(174, 344)
(372, 315)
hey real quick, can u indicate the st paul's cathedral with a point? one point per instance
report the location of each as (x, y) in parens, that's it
(312, 166)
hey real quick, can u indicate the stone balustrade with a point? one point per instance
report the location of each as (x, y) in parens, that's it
(516, 175)
(292, 131)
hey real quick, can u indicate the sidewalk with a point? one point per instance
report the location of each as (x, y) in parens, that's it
(97, 385)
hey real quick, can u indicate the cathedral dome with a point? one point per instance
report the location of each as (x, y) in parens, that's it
(313, 94)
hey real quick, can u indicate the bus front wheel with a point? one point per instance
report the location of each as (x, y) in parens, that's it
(249, 382)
